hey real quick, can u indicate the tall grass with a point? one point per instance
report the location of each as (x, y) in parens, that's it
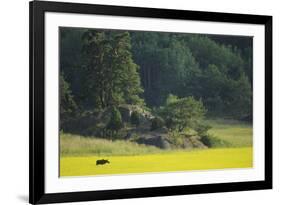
(75, 145)
(224, 133)
(235, 133)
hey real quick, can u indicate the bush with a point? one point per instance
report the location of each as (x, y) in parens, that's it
(157, 123)
(135, 118)
(181, 113)
(212, 141)
(202, 129)
(176, 139)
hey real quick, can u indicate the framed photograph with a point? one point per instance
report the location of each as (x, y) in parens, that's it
(130, 102)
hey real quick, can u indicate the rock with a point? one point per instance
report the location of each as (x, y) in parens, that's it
(187, 144)
(157, 141)
(162, 130)
(126, 111)
(195, 140)
(166, 145)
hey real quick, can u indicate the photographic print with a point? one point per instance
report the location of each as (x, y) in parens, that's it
(129, 102)
(151, 102)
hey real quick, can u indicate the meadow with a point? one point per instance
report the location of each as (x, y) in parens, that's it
(235, 133)
(78, 154)
(207, 159)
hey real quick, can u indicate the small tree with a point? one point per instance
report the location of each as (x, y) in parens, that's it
(135, 118)
(183, 113)
(115, 122)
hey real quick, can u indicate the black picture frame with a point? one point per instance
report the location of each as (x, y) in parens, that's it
(37, 11)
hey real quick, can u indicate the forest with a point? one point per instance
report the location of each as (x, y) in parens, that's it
(154, 89)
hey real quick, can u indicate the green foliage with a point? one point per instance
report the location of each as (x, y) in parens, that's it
(115, 123)
(107, 68)
(183, 113)
(223, 73)
(135, 118)
(176, 138)
(72, 63)
(171, 99)
(239, 97)
(202, 128)
(157, 123)
(68, 106)
(112, 75)
(166, 65)
(212, 141)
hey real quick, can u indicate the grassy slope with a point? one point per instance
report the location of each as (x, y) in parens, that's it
(235, 133)
(79, 154)
(174, 161)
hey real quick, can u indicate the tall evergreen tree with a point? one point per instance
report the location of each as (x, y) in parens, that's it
(112, 75)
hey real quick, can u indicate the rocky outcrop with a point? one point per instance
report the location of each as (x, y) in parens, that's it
(162, 141)
(196, 142)
(126, 111)
(157, 141)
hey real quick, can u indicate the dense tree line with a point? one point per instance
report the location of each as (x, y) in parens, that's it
(195, 65)
(103, 68)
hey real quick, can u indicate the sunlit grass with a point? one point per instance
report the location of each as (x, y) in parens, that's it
(207, 159)
(78, 154)
(75, 145)
(237, 134)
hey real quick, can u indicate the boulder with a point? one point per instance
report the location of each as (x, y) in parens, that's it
(157, 141)
(162, 130)
(126, 111)
(195, 140)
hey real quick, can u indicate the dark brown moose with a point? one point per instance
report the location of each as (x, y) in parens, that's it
(102, 161)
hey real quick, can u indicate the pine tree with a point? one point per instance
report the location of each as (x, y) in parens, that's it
(112, 75)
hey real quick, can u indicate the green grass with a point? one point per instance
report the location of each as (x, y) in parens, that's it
(235, 133)
(74, 145)
(79, 154)
(207, 159)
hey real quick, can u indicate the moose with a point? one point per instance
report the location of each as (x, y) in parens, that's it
(102, 162)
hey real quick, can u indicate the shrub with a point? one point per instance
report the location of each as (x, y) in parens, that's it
(212, 141)
(135, 118)
(181, 113)
(202, 129)
(157, 123)
(176, 138)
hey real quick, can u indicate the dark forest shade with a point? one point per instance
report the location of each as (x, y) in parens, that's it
(149, 66)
